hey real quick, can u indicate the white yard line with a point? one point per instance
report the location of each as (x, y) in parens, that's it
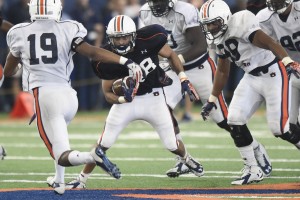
(138, 159)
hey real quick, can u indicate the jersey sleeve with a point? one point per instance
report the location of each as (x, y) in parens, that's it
(245, 24)
(153, 37)
(82, 32)
(264, 17)
(14, 41)
(191, 15)
(108, 71)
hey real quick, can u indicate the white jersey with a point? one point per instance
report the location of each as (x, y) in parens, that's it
(236, 46)
(286, 33)
(181, 17)
(45, 50)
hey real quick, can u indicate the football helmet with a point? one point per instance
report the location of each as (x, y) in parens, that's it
(45, 10)
(161, 8)
(121, 26)
(278, 6)
(216, 13)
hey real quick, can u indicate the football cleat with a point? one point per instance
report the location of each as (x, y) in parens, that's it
(251, 174)
(103, 162)
(263, 160)
(195, 167)
(2, 152)
(178, 169)
(59, 188)
(76, 184)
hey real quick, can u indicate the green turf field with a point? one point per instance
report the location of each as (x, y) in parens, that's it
(140, 155)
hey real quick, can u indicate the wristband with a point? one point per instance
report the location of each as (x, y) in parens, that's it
(181, 58)
(286, 60)
(121, 99)
(123, 60)
(212, 98)
(182, 76)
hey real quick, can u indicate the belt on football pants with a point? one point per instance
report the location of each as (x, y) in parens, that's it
(197, 63)
(259, 71)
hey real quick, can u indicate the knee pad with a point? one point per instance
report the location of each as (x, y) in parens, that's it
(223, 124)
(64, 159)
(292, 136)
(241, 135)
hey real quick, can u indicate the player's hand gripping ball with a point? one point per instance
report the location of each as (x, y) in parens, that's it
(117, 85)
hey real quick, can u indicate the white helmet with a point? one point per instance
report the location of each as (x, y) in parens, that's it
(278, 6)
(119, 26)
(160, 8)
(214, 12)
(45, 9)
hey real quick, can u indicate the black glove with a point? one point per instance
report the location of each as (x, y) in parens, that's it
(186, 86)
(206, 109)
(290, 70)
(130, 91)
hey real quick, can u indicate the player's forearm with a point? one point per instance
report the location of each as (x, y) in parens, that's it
(11, 66)
(176, 63)
(111, 98)
(266, 42)
(220, 81)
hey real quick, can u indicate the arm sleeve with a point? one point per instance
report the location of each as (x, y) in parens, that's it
(191, 17)
(14, 42)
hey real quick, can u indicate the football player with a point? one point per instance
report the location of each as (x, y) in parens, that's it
(185, 37)
(281, 21)
(142, 46)
(238, 38)
(45, 46)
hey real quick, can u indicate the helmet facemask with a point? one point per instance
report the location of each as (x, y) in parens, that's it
(125, 48)
(160, 8)
(278, 6)
(219, 30)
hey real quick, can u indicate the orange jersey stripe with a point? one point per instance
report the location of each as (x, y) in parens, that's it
(284, 97)
(221, 98)
(40, 126)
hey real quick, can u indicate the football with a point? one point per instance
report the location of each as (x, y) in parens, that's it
(117, 85)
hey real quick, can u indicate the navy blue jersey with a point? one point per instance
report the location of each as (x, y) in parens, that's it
(149, 41)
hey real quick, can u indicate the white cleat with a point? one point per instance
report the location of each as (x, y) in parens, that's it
(178, 169)
(263, 160)
(76, 184)
(194, 166)
(252, 174)
(59, 188)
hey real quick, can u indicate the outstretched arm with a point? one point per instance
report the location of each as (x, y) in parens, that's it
(262, 40)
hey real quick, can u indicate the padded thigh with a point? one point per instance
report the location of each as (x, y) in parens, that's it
(244, 103)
